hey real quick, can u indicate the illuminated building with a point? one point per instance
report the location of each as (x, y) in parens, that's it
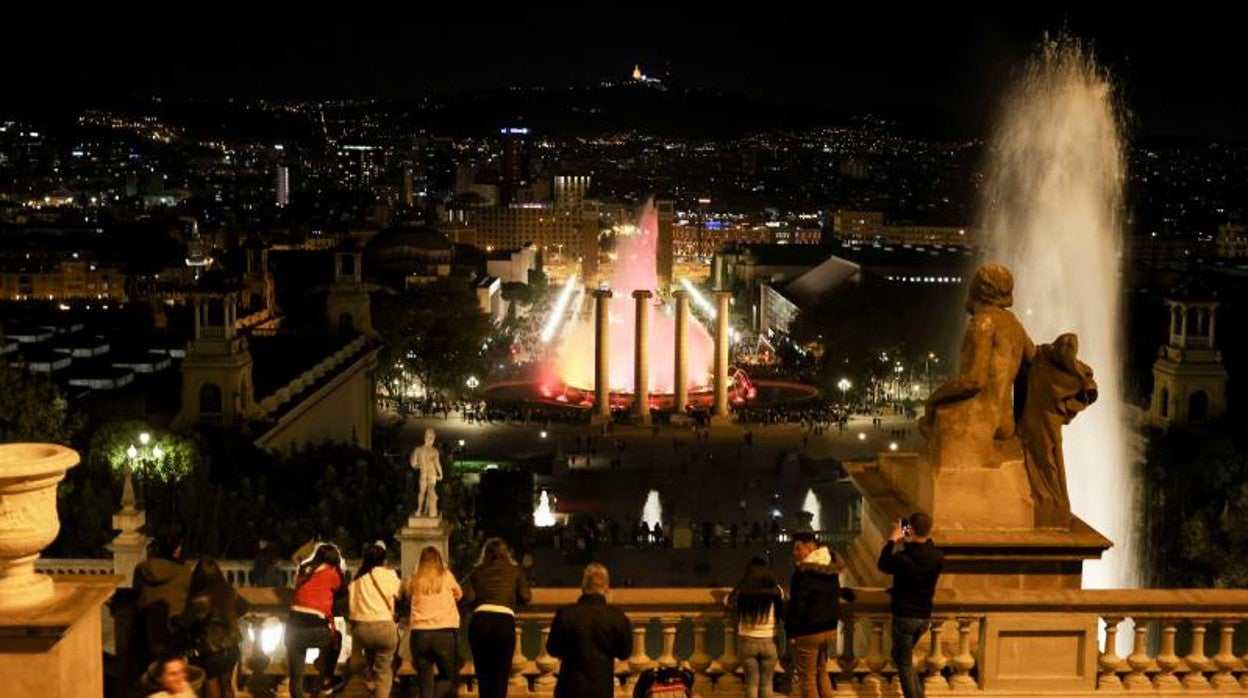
(283, 185)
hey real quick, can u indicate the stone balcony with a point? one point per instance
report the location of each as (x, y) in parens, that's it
(986, 642)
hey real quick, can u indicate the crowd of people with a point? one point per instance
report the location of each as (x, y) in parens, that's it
(188, 620)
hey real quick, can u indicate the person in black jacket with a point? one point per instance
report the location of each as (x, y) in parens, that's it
(588, 636)
(814, 604)
(496, 587)
(209, 627)
(915, 568)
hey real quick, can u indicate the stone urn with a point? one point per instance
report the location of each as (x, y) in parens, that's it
(28, 520)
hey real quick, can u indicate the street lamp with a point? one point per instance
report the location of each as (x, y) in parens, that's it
(844, 385)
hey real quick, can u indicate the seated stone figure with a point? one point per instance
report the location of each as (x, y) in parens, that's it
(968, 415)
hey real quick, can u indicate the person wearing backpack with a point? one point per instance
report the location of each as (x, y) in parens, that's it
(371, 599)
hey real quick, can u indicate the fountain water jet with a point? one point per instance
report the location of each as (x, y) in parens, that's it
(543, 515)
(811, 504)
(652, 510)
(1052, 212)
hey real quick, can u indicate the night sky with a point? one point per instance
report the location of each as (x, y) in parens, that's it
(1179, 75)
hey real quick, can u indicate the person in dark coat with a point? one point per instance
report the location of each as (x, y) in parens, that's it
(915, 562)
(814, 611)
(162, 583)
(588, 636)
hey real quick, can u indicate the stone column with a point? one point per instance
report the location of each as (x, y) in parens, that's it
(602, 363)
(720, 413)
(641, 358)
(680, 376)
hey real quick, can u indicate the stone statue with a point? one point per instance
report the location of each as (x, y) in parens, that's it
(1058, 387)
(966, 416)
(425, 460)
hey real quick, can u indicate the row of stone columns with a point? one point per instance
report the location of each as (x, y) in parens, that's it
(641, 356)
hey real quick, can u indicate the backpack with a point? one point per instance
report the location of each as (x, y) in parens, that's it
(664, 683)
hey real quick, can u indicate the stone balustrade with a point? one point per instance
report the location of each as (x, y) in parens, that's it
(988, 642)
(303, 381)
(75, 566)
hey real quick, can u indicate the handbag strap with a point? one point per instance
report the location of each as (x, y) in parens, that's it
(389, 601)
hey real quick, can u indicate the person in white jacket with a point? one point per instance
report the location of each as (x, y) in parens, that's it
(372, 595)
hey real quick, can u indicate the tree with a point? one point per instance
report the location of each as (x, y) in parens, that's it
(32, 409)
(435, 332)
(1195, 506)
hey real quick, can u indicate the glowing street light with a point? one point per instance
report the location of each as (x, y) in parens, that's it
(844, 385)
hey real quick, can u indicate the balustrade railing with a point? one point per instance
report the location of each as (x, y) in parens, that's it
(992, 643)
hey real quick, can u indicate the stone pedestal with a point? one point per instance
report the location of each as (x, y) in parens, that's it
(983, 520)
(418, 533)
(129, 548)
(682, 536)
(54, 649)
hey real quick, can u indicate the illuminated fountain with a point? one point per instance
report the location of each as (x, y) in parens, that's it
(652, 510)
(636, 270)
(811, 506)
(543, 515)
(1052, 212)
(650, 354)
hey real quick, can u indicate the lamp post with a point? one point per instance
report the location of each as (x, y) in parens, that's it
(844, 385)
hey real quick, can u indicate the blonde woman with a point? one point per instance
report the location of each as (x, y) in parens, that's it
(434, 624)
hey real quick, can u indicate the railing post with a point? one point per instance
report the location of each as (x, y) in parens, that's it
(668, 657)
(846, 685)
(964, 661)
(874, 682)
(546, 664)
(935, 682)
(1197, 662)
(699, 661)
(1138, 660)
(1167, 660)
(1225, 659)
(1109, 659)
(639, 661)
(517, 682)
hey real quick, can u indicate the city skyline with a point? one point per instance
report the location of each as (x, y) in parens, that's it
(1174, 77)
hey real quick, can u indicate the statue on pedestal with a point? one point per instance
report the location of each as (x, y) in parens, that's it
(1008, 394)
(427, 461)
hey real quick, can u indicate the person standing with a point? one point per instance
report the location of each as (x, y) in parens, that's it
(311, 621)
(493, 591)
(915, 567)
(371, 597)
(434, 624)
(756, 603)
(162, 583)
(209, 627)
(814, 603)
(588, 636)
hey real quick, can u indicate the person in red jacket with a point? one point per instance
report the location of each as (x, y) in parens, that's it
(311, 623)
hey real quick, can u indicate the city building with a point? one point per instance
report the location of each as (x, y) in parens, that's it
(282, 186)
(1232, 241)
(870, 226)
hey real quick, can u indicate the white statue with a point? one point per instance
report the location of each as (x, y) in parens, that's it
(426, 461)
